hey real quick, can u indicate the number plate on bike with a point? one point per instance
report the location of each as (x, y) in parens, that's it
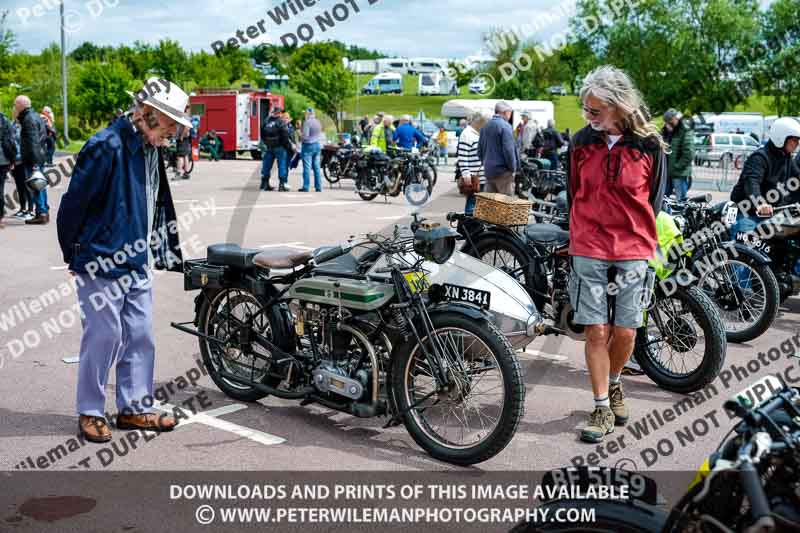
(598, 483)
(457, 293)
(417, 281)
(730, 215)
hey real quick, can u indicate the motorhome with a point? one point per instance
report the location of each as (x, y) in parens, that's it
(539, 110)
(363, 66)
(398, 65)
(436, 84)
(737, 123)
(385, 83)
(418, 65)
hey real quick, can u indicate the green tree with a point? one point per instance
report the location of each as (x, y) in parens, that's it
(518, 67)
(7, 44)
(778, 71)
(679, 53)
(102, 89)
(328, 86)
(169, 61)
(310, 55)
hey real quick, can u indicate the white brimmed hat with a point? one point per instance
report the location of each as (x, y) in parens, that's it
(167, 97)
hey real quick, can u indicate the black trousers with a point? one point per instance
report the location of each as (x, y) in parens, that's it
(25, 198)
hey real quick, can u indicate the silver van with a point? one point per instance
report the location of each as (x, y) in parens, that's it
(724, 149)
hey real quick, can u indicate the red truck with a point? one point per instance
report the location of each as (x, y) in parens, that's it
(236, 115)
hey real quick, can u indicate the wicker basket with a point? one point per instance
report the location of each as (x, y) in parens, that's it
(501, 209)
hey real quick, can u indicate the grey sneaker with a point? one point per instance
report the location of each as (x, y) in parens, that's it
(601, 423)
(617, 398)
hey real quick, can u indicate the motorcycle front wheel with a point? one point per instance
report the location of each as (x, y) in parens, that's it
(681, 345)
(746, 294)
(475, 415)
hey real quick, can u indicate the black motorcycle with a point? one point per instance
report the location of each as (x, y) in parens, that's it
(369, 336)
(681, 345)
(536, 180)
(750, 484)
(390, 174)
(339, 162)
(779, 239)
(738, 279)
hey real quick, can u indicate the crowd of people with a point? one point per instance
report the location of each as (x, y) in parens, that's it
(288, 144)
(27, 142)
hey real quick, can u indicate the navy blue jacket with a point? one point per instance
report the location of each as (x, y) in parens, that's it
(497, 149)
(406, 134)
(105, 208)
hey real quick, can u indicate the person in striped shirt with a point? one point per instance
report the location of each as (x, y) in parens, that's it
(468, 160)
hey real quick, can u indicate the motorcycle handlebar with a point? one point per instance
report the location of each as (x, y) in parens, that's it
(455, 217)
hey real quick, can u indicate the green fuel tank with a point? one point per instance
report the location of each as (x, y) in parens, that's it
(363, 295)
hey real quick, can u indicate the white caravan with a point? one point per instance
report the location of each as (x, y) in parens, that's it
(539, 110)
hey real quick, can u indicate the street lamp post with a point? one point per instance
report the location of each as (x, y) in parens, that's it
(64, 76)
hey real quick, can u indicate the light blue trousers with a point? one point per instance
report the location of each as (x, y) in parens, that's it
(117, 319)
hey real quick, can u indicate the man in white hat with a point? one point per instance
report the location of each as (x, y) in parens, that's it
(115, 223)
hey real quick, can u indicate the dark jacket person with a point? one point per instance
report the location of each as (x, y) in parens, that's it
(116, 222)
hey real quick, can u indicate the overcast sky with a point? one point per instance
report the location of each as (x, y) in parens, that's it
(441, 28)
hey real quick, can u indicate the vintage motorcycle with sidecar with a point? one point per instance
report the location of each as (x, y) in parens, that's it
(402, 331)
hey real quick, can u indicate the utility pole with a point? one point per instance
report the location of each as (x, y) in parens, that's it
(64, 76)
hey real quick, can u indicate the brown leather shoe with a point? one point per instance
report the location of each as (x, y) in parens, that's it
(151, 421)
(94, 428)
(42, 219)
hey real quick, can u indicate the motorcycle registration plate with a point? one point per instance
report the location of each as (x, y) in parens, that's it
(458, 293)
(417, 281)
(594, 480)
(730, 215)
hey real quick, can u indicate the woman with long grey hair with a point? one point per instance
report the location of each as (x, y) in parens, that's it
(616, 173)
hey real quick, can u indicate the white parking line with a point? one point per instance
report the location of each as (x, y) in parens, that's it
(544, 355)
(276, 206)
(210, 419)
(60, 267)
(296, 244)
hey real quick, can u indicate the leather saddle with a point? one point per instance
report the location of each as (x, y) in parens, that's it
(227, 254)
(281, 257)
(547, 234)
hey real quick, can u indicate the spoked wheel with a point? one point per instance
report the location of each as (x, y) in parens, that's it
(476, 413)
(224, 315)
(331, 170)
(746, 295)
(503, 255)
(189, 164)
(681, 345)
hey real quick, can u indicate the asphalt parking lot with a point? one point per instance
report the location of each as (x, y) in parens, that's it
(222, 203)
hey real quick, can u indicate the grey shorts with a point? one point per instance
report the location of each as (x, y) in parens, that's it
(590, 290)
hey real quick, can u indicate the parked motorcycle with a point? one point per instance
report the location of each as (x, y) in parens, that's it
(536, 180)
(738, 279)
(406, 172)
(780, 240)
(339, 162)
(681, 345)
(369, 337)
(750, 483)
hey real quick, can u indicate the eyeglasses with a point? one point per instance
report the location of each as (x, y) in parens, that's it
(590, 111)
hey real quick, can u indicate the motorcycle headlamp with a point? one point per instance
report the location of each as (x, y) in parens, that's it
(435, 242)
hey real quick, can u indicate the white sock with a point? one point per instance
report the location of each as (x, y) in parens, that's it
(602, 402)
(613, 379)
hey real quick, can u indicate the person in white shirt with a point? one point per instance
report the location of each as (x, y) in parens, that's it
(469, 163)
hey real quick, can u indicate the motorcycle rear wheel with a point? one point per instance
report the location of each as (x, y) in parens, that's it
(485, 350)
(331, 170)
(213, 320)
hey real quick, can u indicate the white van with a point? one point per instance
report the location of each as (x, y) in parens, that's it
(737, 123)
(436, 84)
(418, 65)
(386, 83)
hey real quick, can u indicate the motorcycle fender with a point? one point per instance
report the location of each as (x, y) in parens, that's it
(475, 313)
(739, 250)
(491, 232)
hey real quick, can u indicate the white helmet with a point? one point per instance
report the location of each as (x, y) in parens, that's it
(782, 128)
